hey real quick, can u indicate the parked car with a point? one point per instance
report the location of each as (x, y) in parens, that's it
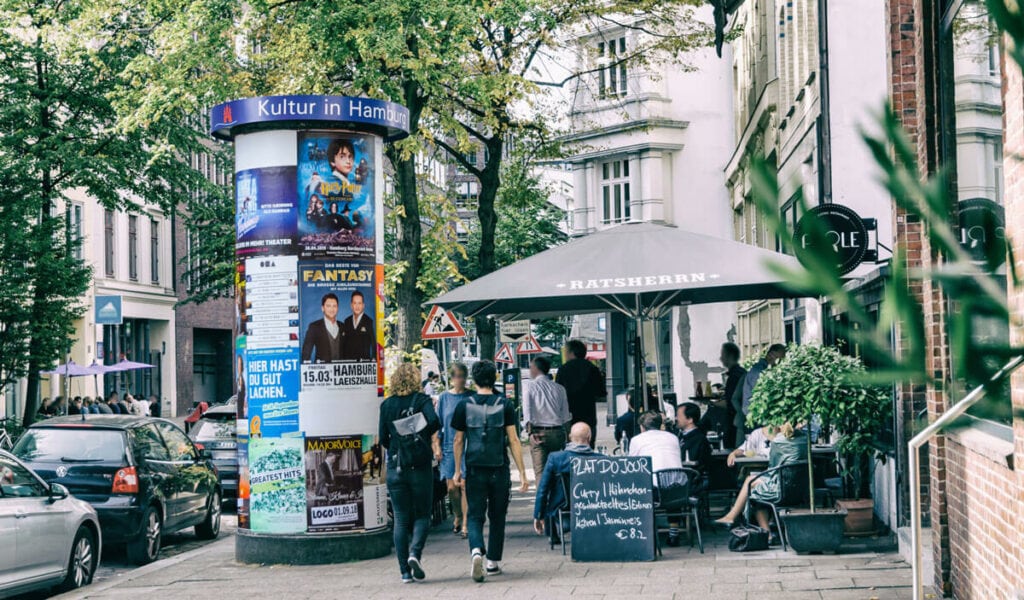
(216, 433)
(47, 537)
(143, 476)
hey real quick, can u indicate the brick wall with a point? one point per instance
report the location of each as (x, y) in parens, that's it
(212, 314)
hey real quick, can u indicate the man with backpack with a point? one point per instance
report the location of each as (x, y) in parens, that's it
(485, 427)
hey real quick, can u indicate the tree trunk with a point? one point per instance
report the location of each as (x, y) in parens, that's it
(490, 181)
(408, 297)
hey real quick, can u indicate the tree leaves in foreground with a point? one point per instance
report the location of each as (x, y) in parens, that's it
(975, 289)
(60, 63)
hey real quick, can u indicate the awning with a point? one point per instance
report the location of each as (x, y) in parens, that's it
(640, 269)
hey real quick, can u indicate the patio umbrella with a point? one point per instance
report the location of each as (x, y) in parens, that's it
(73, 369)
(638, 269)
(126, 365)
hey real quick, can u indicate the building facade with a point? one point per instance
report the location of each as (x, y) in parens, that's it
(204, 333)
(647, 146)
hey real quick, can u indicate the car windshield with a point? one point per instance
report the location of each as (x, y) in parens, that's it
(71, 445)
(220, 415)
(214, 430)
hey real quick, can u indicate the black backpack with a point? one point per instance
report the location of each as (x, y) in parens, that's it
(411, 450)
(485, 432)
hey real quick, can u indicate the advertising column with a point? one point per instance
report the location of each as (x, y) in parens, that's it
(309, 343)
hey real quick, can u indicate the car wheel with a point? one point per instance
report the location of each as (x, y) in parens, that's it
(146, 549)
(210, 527)
(82, 562)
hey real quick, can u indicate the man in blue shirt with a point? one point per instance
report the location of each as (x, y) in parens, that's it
(776, 352)
(550, 495)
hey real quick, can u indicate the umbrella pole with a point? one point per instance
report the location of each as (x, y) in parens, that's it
(639, 362)
(657, 363)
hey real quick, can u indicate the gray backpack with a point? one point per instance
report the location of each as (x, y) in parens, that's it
(485, 432)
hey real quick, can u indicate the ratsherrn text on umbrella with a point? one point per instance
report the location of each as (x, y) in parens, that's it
(285, 107)
(622, 282)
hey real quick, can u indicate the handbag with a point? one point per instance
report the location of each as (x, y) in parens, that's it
(748, 538)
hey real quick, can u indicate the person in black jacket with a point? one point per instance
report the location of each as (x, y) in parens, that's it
(358, 335)
(583, 384)
(407, 422)
(323, 340)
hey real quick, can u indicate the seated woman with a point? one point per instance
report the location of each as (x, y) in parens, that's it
(789, 446)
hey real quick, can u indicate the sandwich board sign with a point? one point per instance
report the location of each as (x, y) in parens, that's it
(441, 324)
(515, 331)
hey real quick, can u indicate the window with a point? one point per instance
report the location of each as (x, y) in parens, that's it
(179, 446)
(133, 247)
(471, 157)
(18, 482)
(75, 228)
(466, 194)
(108, 242)
(154, 250)
(147, 443)
(612, 76)
(615, 191)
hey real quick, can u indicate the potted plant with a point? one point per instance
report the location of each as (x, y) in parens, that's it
(814, 381)
(865, 411)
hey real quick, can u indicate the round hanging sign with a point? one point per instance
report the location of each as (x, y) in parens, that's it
(843, 229)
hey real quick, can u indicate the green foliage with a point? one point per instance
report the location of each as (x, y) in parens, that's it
(62, 66)
(820, 381)
(529, 222)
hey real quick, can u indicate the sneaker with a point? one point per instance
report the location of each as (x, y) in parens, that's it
(416, 568)
(478, 566)
(406, 577)
(493, 568)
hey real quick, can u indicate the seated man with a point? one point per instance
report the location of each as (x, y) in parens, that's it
(550, 495)
(787, 447)
(663, 448)
(693, 442)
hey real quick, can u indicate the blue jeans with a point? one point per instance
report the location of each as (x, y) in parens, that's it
(487, 493)
(412, 497)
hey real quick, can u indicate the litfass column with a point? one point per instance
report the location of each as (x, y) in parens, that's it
(309, 333)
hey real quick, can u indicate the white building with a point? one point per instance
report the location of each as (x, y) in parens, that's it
(652, 144)
(131, 257)
(802, 100)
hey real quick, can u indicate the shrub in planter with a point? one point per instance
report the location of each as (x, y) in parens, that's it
(820, 381)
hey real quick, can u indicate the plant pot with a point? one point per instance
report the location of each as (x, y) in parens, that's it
(821, 531)
(860, 516)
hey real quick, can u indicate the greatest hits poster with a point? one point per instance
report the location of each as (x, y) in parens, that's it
(277, 485)
(336, 197)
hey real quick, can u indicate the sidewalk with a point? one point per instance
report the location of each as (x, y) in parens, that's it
(531, 571)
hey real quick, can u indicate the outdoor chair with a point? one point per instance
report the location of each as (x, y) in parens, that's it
(564, 512)
(674, 501)
(793, 493)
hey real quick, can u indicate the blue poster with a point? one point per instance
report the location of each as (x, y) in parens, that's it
(265, 211)
(272, 392)
(336, 199)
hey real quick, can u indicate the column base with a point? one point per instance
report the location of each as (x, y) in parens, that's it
(310, 548)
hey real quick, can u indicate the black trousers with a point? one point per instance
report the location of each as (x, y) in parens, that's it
(487, 493)
(412, 498)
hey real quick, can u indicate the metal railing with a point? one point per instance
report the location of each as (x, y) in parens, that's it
(914, 464)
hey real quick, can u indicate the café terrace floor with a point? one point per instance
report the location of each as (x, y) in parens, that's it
(863, 569)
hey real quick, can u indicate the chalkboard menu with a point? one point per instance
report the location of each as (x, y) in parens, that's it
(612, 509)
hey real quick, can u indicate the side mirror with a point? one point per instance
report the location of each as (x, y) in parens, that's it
(58, 492)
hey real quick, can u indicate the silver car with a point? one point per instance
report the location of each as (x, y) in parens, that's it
(49, 538)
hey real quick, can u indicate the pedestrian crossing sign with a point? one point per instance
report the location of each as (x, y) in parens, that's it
(441, 324)
(504, 355)
(529, 346)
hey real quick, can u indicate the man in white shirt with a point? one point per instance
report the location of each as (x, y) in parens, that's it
(545, 411)
(661, 446)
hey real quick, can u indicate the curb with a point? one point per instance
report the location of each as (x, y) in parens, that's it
(142, 571)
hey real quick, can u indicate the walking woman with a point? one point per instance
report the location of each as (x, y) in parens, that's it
(446, 403)
(407, 422)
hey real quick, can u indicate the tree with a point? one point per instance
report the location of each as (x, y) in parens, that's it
(515, 48)
(58, 136)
